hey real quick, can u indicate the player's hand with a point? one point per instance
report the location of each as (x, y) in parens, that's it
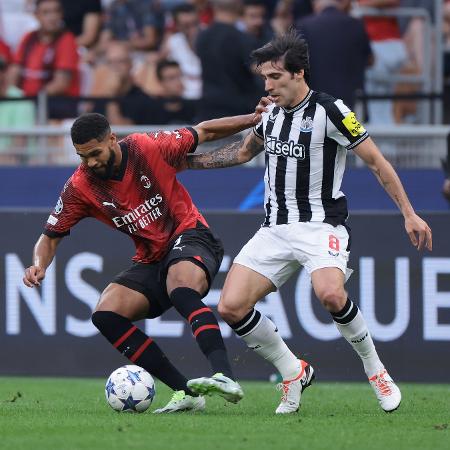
(419, 232)
(260, 108)
(33, 276)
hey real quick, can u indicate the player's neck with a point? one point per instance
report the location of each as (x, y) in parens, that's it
(118, 158)
(302, 93)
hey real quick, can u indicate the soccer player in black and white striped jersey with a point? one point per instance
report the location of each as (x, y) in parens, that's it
(305, 136)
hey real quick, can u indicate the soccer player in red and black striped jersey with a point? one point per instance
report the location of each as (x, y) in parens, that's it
(131, 186)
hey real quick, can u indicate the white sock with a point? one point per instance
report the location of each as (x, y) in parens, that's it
(357, 334)
(261, 335)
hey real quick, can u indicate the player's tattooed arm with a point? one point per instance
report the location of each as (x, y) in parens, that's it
(229, 155)
(226, 156)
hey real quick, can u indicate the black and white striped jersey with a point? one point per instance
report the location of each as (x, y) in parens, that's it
(305, 150)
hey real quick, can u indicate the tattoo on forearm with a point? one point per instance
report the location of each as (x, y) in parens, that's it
(223, 157)
(254, 147)
(230, 155)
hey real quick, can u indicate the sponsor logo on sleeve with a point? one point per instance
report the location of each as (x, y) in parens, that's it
(52, 220)
(352, 125)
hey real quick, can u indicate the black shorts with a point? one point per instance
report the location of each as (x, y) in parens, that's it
(198, 245)
(145, 278)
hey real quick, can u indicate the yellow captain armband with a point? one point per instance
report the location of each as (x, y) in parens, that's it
(352, 125)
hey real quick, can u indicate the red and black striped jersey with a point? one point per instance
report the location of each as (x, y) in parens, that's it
(144, 200)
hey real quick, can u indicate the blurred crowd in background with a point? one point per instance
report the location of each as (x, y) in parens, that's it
(168, 62)
(179, 61)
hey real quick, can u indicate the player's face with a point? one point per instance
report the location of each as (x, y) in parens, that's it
(100, 157)
(285, 89)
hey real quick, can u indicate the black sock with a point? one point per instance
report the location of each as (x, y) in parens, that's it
(248, 323)
(204, 328)
(139, 348)
(346, 314)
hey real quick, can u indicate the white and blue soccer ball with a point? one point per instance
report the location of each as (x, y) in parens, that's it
(130, 389)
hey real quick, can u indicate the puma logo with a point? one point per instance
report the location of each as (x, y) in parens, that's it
(177, 246)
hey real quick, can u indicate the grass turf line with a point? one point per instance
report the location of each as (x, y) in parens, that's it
(46, 413)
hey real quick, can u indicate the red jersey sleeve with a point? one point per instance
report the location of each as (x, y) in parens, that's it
(69, 210)
(174, 145)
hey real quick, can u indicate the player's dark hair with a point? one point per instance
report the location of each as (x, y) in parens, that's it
(89, 126)
(183, 8)
(162, 64)
(290, 47)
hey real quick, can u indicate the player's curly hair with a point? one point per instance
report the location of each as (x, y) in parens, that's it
(290, 47)
(89, 126)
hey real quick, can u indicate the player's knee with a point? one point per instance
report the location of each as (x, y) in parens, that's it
(229, 310)
(195, 280)
(228, 314)
(333, 299)
(100, 319)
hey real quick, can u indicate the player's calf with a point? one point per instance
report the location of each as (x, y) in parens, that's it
(205, 328)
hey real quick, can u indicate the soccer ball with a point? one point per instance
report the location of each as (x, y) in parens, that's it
(130, 389)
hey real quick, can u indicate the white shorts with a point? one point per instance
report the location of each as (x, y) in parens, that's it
(278, 251)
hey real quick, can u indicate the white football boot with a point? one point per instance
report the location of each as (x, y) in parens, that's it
(217, 384)
(387, 392)
(292, 389)
(181, 402)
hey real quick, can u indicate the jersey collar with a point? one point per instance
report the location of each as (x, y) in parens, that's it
(300, 105)
(123, 163)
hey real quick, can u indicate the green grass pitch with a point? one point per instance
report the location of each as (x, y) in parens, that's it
(46, 413)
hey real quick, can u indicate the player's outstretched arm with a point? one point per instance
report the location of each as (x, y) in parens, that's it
(210, 130)
(229, 155)
(43, 254)
(418, 230)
